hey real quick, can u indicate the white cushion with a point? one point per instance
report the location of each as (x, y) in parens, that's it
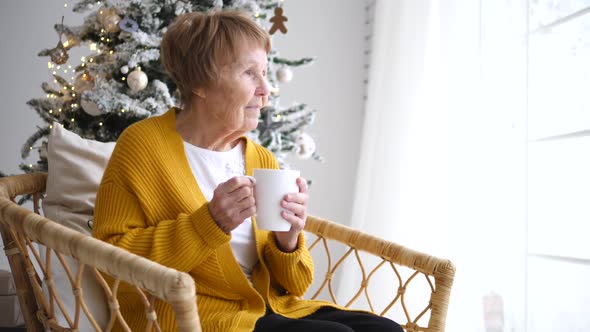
(76, 166)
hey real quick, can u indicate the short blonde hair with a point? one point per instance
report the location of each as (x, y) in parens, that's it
(197, 44)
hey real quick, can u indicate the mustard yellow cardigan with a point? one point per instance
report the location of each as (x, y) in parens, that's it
(150, 204)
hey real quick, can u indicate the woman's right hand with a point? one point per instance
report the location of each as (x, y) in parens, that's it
(233, 202)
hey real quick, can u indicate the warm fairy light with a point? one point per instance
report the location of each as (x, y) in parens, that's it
(100, 12)
(83, 59)
(73, 95)
(83, 65)
(54, 81)
(65, 4)
(101, 30)
(54, 72)
(98, 2)
(91, 59)
(49, 65)
(73, 119)
(111, 52)
(31, 165)
(69, 66)
(58, 67)
(50, 111)
(93, 47)
(65, 71)
(67, 43)
(123, 78)
(257, 15)
(102, 38)
(50, 126)
(59, 110)
(122, 110)
(30, 148)
(138, 68)
(100, 124)
(108, 40)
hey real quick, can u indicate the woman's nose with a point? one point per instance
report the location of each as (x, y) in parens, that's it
(263, 88)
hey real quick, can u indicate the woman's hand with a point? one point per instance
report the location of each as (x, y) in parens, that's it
(296, 213)
(233, 202)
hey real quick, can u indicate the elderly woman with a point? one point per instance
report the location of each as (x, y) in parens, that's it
(176, 191)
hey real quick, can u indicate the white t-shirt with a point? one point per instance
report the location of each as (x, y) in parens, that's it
(211, 168)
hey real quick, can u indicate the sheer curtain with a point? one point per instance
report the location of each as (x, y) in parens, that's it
(442, 153)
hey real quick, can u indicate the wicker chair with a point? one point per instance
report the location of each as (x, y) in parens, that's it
(21, 228)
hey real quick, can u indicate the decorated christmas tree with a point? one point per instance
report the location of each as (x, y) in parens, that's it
(121, 80)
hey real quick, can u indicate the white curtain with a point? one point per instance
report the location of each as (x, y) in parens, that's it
(442, 152)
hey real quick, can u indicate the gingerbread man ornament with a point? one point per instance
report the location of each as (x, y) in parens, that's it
(278, 21)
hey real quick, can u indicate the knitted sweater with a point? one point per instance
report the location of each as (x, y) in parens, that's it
(150, 204)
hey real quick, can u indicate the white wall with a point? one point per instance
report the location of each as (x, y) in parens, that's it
(332, 30)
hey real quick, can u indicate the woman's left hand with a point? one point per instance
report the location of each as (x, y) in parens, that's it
(295, 213)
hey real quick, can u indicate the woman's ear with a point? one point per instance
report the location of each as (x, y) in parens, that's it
(200, 92)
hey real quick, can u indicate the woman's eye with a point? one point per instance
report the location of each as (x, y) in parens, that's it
(249, 72)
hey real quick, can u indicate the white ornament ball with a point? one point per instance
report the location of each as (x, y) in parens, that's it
(137, 80)
(90, 107)
(124, 70)
(305, 146)
(284, 74)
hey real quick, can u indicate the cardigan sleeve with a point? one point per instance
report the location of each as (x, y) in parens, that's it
(181, 244)
(293, 271)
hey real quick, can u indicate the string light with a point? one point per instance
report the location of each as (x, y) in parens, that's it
(50, 126)
(67, 43)
(100, 124)
(59, 110)
(92, 48)
(111, 52)
(122, 110)
(58, 67)
(65, 4)
(123, 78)
(50, 111)
(30, 148)
(54, 72)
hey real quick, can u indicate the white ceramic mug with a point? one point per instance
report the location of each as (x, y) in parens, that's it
(270, 188)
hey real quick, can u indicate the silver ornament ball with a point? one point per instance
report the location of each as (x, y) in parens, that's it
(137, 80)
(284, 74)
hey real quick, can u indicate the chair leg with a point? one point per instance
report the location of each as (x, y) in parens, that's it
(26, 298)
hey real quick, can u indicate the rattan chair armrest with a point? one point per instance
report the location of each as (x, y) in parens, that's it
(442, 270)
(23, 184)
(176, 288)
(388, 250)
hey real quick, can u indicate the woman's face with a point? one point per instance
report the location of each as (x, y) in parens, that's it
(242, 90)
